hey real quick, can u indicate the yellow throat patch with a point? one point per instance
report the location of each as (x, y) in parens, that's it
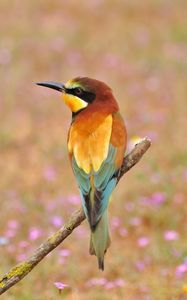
(73, 102)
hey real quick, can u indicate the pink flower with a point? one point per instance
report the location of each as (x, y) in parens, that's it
(34, 233)
(185, 175)
(171, 235)
(155, 177)
(97, 281)
(112, 60)
(115, 221)
(135, 221)
(158, 198)
(11, 249)
(143, 241)
(20, 257)
(61, 260)
(181, 270)
(57, 221)
(60, 285)
(73, 57)
(58, 43)
(140, 265)
(10, 233)
(23, 244)
(176, 253)
(80, 231)
(119, 282)
(155, 200)
(13, 224)
(74, 199)
(164, 272)
(65, 252)
(50, 173)
(50, 205)
(123, 232)
(179, 198)
(110, 285)
(5, 56)
(129, 206)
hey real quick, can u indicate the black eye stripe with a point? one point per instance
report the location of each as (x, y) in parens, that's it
(78, 91)
(84, 95)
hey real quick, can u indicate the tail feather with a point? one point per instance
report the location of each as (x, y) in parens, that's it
(101, 264)
(100, 240)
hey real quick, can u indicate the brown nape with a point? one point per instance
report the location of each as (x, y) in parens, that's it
(92, 85)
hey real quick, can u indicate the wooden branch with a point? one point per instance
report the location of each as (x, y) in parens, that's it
(22, 269)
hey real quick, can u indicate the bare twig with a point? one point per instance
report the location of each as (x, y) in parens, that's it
(22, 269)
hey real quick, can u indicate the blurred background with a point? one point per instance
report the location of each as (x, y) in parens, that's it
(140, 49)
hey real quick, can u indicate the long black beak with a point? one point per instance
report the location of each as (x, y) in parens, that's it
(52, 85)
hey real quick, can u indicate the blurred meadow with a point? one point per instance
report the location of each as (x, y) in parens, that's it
(140, 49)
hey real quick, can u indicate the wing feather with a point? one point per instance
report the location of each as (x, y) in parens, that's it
(103, 152)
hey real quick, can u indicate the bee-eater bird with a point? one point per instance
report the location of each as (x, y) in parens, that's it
(96, 144)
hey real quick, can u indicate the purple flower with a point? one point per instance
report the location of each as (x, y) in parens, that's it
(171, 235)
(158, 198)
(143, 241)
(60, 285)
(140, 265)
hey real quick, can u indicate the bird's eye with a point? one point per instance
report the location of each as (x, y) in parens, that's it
(78, 91)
